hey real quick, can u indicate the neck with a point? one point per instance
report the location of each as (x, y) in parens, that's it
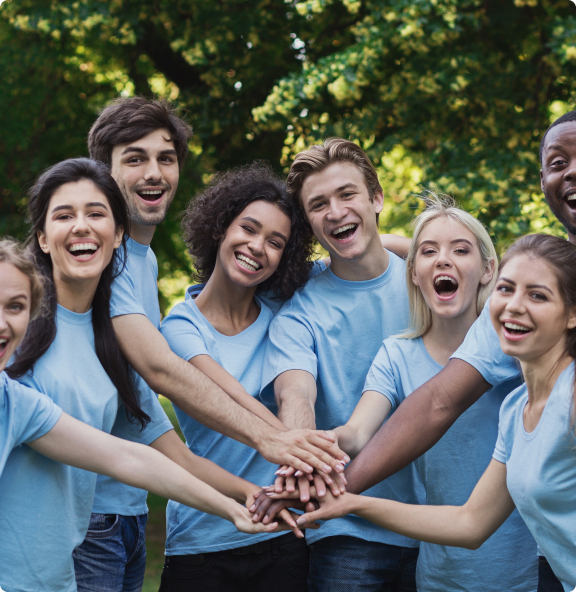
(76, 296)
(371, 264)
(141, 234)
(542, 373)
(229, 308)
(446, 335)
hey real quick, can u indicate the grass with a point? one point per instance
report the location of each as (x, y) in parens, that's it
(156, 527)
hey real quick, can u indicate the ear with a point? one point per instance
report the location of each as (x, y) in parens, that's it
(118, 234)
(378, 201)
(42, 241)
(414, 278)
(488, 272)
(541, 181)
(571, 318)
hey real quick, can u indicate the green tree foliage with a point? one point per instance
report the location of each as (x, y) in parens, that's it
(452, 92)
(449, 92)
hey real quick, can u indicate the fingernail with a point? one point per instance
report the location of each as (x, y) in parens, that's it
(339, 468)
(252, 507)
(298, 474)
(326, 468)
(346, 459)
(281, 473)
(301, 521)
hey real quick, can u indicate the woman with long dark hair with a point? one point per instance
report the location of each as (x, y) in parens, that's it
(70, 353)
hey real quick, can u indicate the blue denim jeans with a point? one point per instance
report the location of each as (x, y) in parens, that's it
(347, 564)
(112, 557)
(547, 580)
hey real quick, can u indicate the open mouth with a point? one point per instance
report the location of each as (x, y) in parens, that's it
(571, 201)
(151, 195)
(516, 329)
(3, 345)
(247, 263)
(445, 286)
(344, 232)
(83, 250)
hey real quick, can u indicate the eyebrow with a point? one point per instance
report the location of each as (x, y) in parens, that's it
(139, 150)
(456, 240)
(529, 286)
(92, 204)
(259, 224)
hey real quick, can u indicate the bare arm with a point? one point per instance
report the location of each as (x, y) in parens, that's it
(368, 416)
(295, 392)
(399, 245)
(459, 526)
(234, 389)
(418, 423)
(75, 443)
(149, 354)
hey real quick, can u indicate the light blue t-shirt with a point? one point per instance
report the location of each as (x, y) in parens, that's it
(135, 291)
(541, 472)
(25, 416)
(189, 334)
(450, 470)
(481, 349)
(45, 506)
(333, 329)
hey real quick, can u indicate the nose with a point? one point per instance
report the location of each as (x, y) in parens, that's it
(256, 244)
(515, 303)
(153, 172)
(81, 225)
(443, 259)
(336, 210)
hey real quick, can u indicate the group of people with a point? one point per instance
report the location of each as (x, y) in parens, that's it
(446, 377)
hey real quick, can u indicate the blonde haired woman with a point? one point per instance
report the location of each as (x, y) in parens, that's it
(451, 270)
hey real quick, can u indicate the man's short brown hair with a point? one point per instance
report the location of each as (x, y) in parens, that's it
(127, 120)
(319, 157)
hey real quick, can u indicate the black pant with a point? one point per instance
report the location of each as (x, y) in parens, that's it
(547, 580)
(279, 564)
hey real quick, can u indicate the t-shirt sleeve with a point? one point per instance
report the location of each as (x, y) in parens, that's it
(291, 346)
(481, 349)
(507, 423)
(381, 377)
(182, 334)
(28, 413)
(130, 429)
(124, 300)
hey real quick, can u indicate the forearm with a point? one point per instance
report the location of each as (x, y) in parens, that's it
(226, 483)
(418, 423)
(295, 409)
(441, 525)
(235, 390)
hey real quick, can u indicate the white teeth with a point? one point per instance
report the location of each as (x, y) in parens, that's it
(247, 263)
(343, 229)
(157, 192)
(571, 197)
(515, 327)
(3, 341)
(83, 247)
(445, 277)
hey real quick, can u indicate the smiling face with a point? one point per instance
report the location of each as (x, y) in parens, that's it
(448, 268)
(253, 245)
(528, 311)
(147, 173)
(558, 174)
(15, 302)
(337, 204)
(79, 233)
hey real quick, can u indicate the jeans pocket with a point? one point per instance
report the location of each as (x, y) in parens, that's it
(103, 525)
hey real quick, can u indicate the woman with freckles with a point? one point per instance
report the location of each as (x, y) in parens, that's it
(533, 466)
(251, 249)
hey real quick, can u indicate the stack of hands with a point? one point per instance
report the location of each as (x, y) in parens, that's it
(320, 493)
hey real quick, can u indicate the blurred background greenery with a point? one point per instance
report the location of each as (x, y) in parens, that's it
(448, 93)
